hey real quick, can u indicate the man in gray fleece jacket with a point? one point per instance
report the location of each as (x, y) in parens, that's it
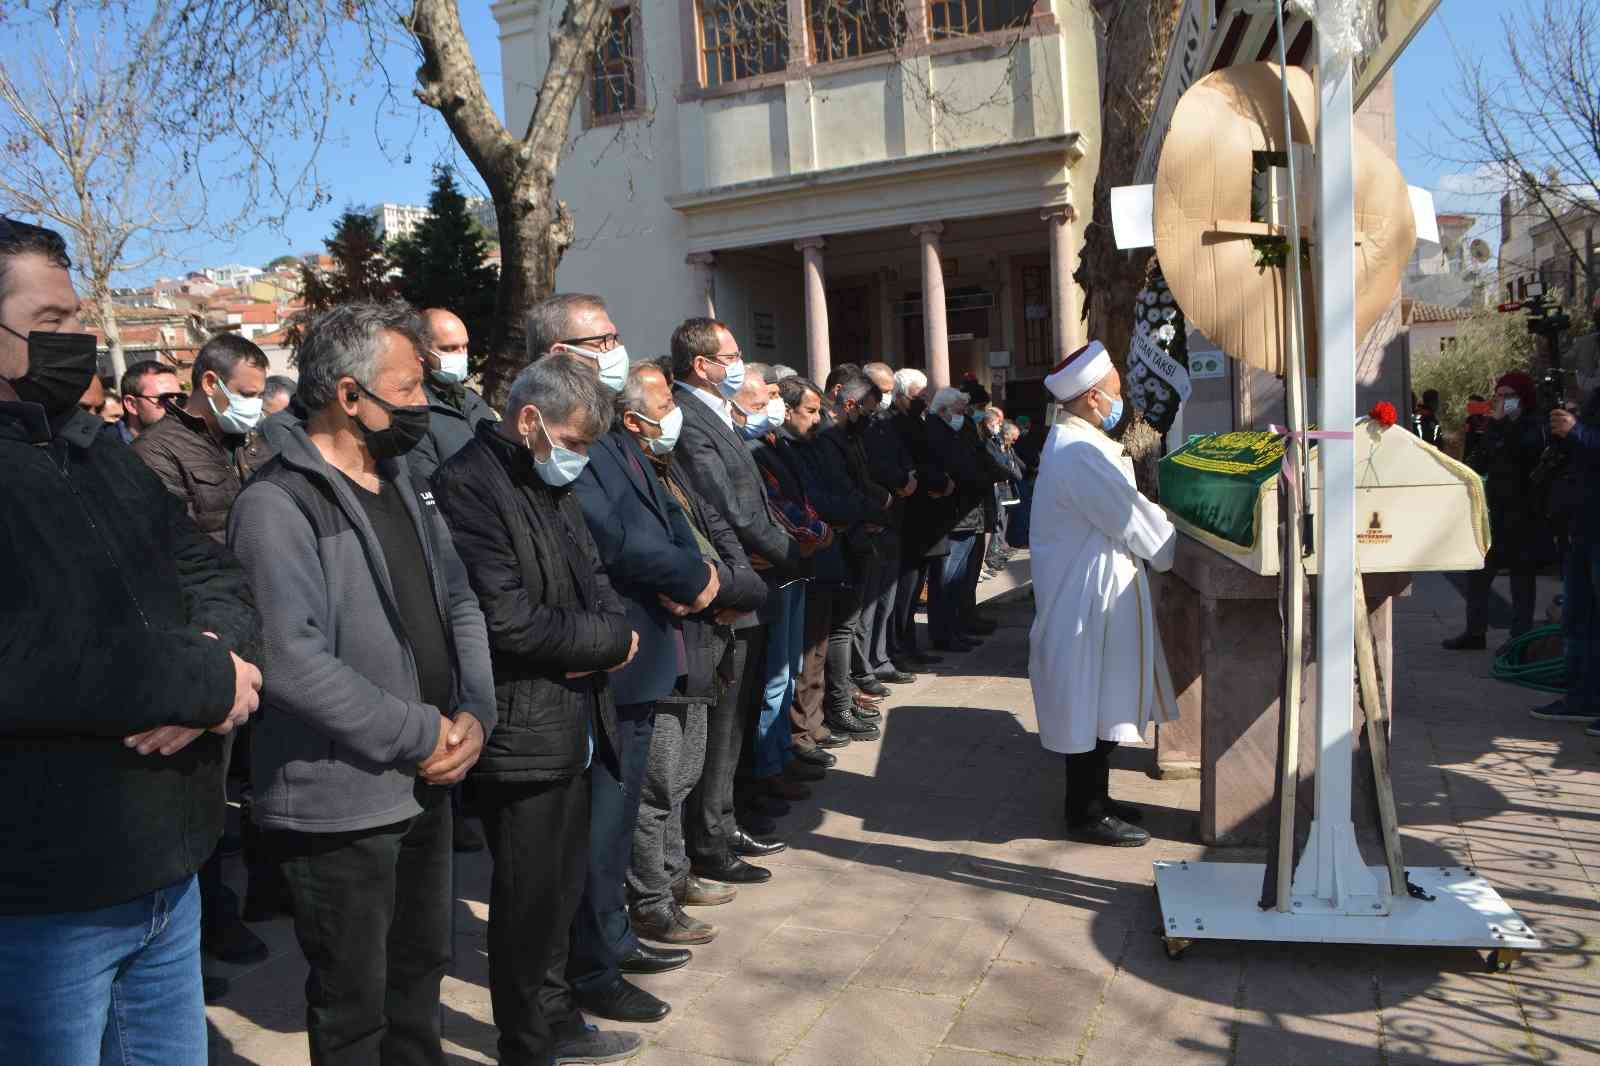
(379, 695)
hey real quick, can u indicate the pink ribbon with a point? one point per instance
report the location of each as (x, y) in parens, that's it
(1291, 478)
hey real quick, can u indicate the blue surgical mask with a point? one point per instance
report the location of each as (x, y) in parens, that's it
(756, 423)
(613, 364)
(671, 425)
(452, 367)
(733, 380)
(956, 422)
(564, 464)
(242, 415)
(1109, 422)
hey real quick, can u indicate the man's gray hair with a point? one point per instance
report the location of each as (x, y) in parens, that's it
(945, 399)
(908, 379)
(278, 385)
(779, 372)
(763, 370)
(878, 370)
(560, 386)
(345, 342)
(857, 389)
(550, 320)
(632, 398)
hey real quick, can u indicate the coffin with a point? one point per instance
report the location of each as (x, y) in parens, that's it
(1416, 507)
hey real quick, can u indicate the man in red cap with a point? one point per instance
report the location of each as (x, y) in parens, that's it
(1505, 455)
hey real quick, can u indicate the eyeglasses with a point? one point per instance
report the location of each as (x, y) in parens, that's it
(160, 398)
(725, 358)
(604, 342)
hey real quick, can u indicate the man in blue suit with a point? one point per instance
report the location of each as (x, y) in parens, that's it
(655, 565)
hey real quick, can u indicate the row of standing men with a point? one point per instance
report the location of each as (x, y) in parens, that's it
(633, 614)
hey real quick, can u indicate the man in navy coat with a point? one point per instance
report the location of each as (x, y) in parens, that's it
(656, 566)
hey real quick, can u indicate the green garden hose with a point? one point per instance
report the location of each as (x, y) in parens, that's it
(1544, 675)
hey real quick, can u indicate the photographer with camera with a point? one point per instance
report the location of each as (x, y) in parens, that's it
(1581, 585)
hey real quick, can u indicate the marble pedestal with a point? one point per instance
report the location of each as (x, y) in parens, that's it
(1222, 633)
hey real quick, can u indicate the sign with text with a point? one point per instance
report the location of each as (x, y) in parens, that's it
(1392, 24)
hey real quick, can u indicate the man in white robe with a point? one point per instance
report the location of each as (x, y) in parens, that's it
(1095, 661)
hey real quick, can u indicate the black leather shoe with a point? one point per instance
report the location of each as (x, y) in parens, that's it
(748, 847)
(227, 939)
(646, 959)
(1466, 642)
(734, 872)
(873, 687)
(833, 740)
(215, 988)
(1126, 811)
(847, 723)
(800, 770)
(1111, 832)
(623, 1002)
(866, 713)
(924, 658)
(899, 677)
(816, 757)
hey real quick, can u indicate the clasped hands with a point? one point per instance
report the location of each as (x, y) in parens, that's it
(171, 739)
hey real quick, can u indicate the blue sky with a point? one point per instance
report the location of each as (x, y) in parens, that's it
(414, 138)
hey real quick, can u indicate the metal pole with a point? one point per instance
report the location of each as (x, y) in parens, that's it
(1332, 870)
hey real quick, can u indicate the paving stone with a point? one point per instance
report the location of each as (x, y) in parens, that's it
(1308, 1007)
(876, 1027)
(932, 955)
(747, 1021)
(1026, 1011)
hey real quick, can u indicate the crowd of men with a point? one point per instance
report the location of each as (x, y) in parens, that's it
(625, 622)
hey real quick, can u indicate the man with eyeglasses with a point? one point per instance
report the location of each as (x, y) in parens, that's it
(124, 638)
(147, 389)
(579, 324)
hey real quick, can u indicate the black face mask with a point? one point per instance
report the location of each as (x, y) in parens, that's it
(407, 426)
(60, 368)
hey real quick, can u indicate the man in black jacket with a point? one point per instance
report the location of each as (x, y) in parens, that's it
(709, 370)
(203, 452)
(953, 444)
(556, 628)
(122, 631)
(454, 409)
(655, 566)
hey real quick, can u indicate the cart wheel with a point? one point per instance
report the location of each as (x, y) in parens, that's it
(1500, 960)
(1176, 946)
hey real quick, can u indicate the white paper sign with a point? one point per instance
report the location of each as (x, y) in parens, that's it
(1166, 367)
(1133, 216)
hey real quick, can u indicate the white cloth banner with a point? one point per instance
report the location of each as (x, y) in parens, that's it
(1166, 368)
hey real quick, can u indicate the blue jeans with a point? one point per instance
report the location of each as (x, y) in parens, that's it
(786, 647)
(601, 935)
(1580, 625)
(119, 985)
(947, 587)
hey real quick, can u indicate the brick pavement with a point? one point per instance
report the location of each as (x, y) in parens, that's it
(928, 913)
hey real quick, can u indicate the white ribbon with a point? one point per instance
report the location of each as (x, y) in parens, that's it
(1165, 366)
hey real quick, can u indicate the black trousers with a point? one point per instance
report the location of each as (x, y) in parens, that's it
(708, 818)
(372, 915)
(538, 835)
(871, 656)
(601, 934)
(843, 618)
(908, 585)
(1524, 589)
(1089, 783)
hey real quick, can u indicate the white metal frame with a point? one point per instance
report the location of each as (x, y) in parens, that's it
(1336, 897)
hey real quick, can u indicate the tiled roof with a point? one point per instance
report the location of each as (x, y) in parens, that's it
(1426, 312)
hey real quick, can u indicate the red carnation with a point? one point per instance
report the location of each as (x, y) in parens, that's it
(1384, 414)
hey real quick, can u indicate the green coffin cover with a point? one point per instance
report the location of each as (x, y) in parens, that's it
(1214, 481)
